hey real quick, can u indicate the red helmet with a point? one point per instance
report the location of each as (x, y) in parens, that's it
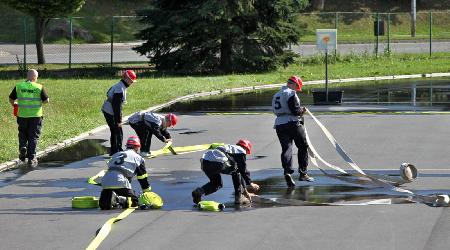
(129, 74)
(172, 118)
(246, 144)
(133, 141)
(297, 81)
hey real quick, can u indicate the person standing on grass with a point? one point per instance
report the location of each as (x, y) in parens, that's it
(146, 124)
(29, 97)
(112, 109)
(289, 127)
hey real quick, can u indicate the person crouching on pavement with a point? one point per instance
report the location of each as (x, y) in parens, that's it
(116, 183)
(147, 124)
(231, 160)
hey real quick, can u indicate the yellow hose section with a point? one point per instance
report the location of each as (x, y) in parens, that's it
(93, 179)
(106, 228)
(168, 149)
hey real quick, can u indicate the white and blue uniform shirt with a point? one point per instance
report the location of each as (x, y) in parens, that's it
(121, 169)
(280, 106)
(118, 88)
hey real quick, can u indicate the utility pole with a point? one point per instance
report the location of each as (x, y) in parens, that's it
(413, 18)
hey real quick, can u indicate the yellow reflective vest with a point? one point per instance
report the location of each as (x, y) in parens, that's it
(29, 99)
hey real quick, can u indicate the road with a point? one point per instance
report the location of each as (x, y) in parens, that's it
(122, 52)
(35, 206)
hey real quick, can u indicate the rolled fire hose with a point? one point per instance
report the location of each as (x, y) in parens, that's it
(84, 202)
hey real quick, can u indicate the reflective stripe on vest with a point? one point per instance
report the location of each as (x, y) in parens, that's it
(29, 99)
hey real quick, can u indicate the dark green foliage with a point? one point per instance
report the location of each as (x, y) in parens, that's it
(47, 8)
(220, 36)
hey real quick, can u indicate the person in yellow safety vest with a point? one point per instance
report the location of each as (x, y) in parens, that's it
(29, 97)
(116, 183)
(116, 96)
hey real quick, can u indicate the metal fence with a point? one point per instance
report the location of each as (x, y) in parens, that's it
(360, 32)
(108, 41)
(89, 40)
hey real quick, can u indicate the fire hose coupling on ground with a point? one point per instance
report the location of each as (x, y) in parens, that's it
(212, 206)
(408, 171)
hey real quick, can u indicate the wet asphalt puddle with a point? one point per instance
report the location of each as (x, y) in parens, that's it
(324, 191)
(73, 153)
(382, 97)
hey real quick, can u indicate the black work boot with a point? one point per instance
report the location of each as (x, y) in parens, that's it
(289, 180)
(22, 153)
(197, 195)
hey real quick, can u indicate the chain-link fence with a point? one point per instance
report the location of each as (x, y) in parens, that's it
(375, 33)
(100, 41)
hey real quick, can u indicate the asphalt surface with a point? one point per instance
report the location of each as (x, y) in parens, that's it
(35, 207)
(122, 52)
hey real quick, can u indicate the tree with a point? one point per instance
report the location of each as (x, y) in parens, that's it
(220, 35)
(318, 4)
(42, 11)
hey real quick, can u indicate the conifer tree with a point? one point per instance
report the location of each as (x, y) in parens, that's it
(220, 35)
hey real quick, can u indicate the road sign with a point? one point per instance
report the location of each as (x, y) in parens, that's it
(326, 39)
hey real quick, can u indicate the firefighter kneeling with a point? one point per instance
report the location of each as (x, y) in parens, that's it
(123, 166)
(231, 160)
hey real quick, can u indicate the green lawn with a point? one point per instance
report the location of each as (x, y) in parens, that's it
(75, 103)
